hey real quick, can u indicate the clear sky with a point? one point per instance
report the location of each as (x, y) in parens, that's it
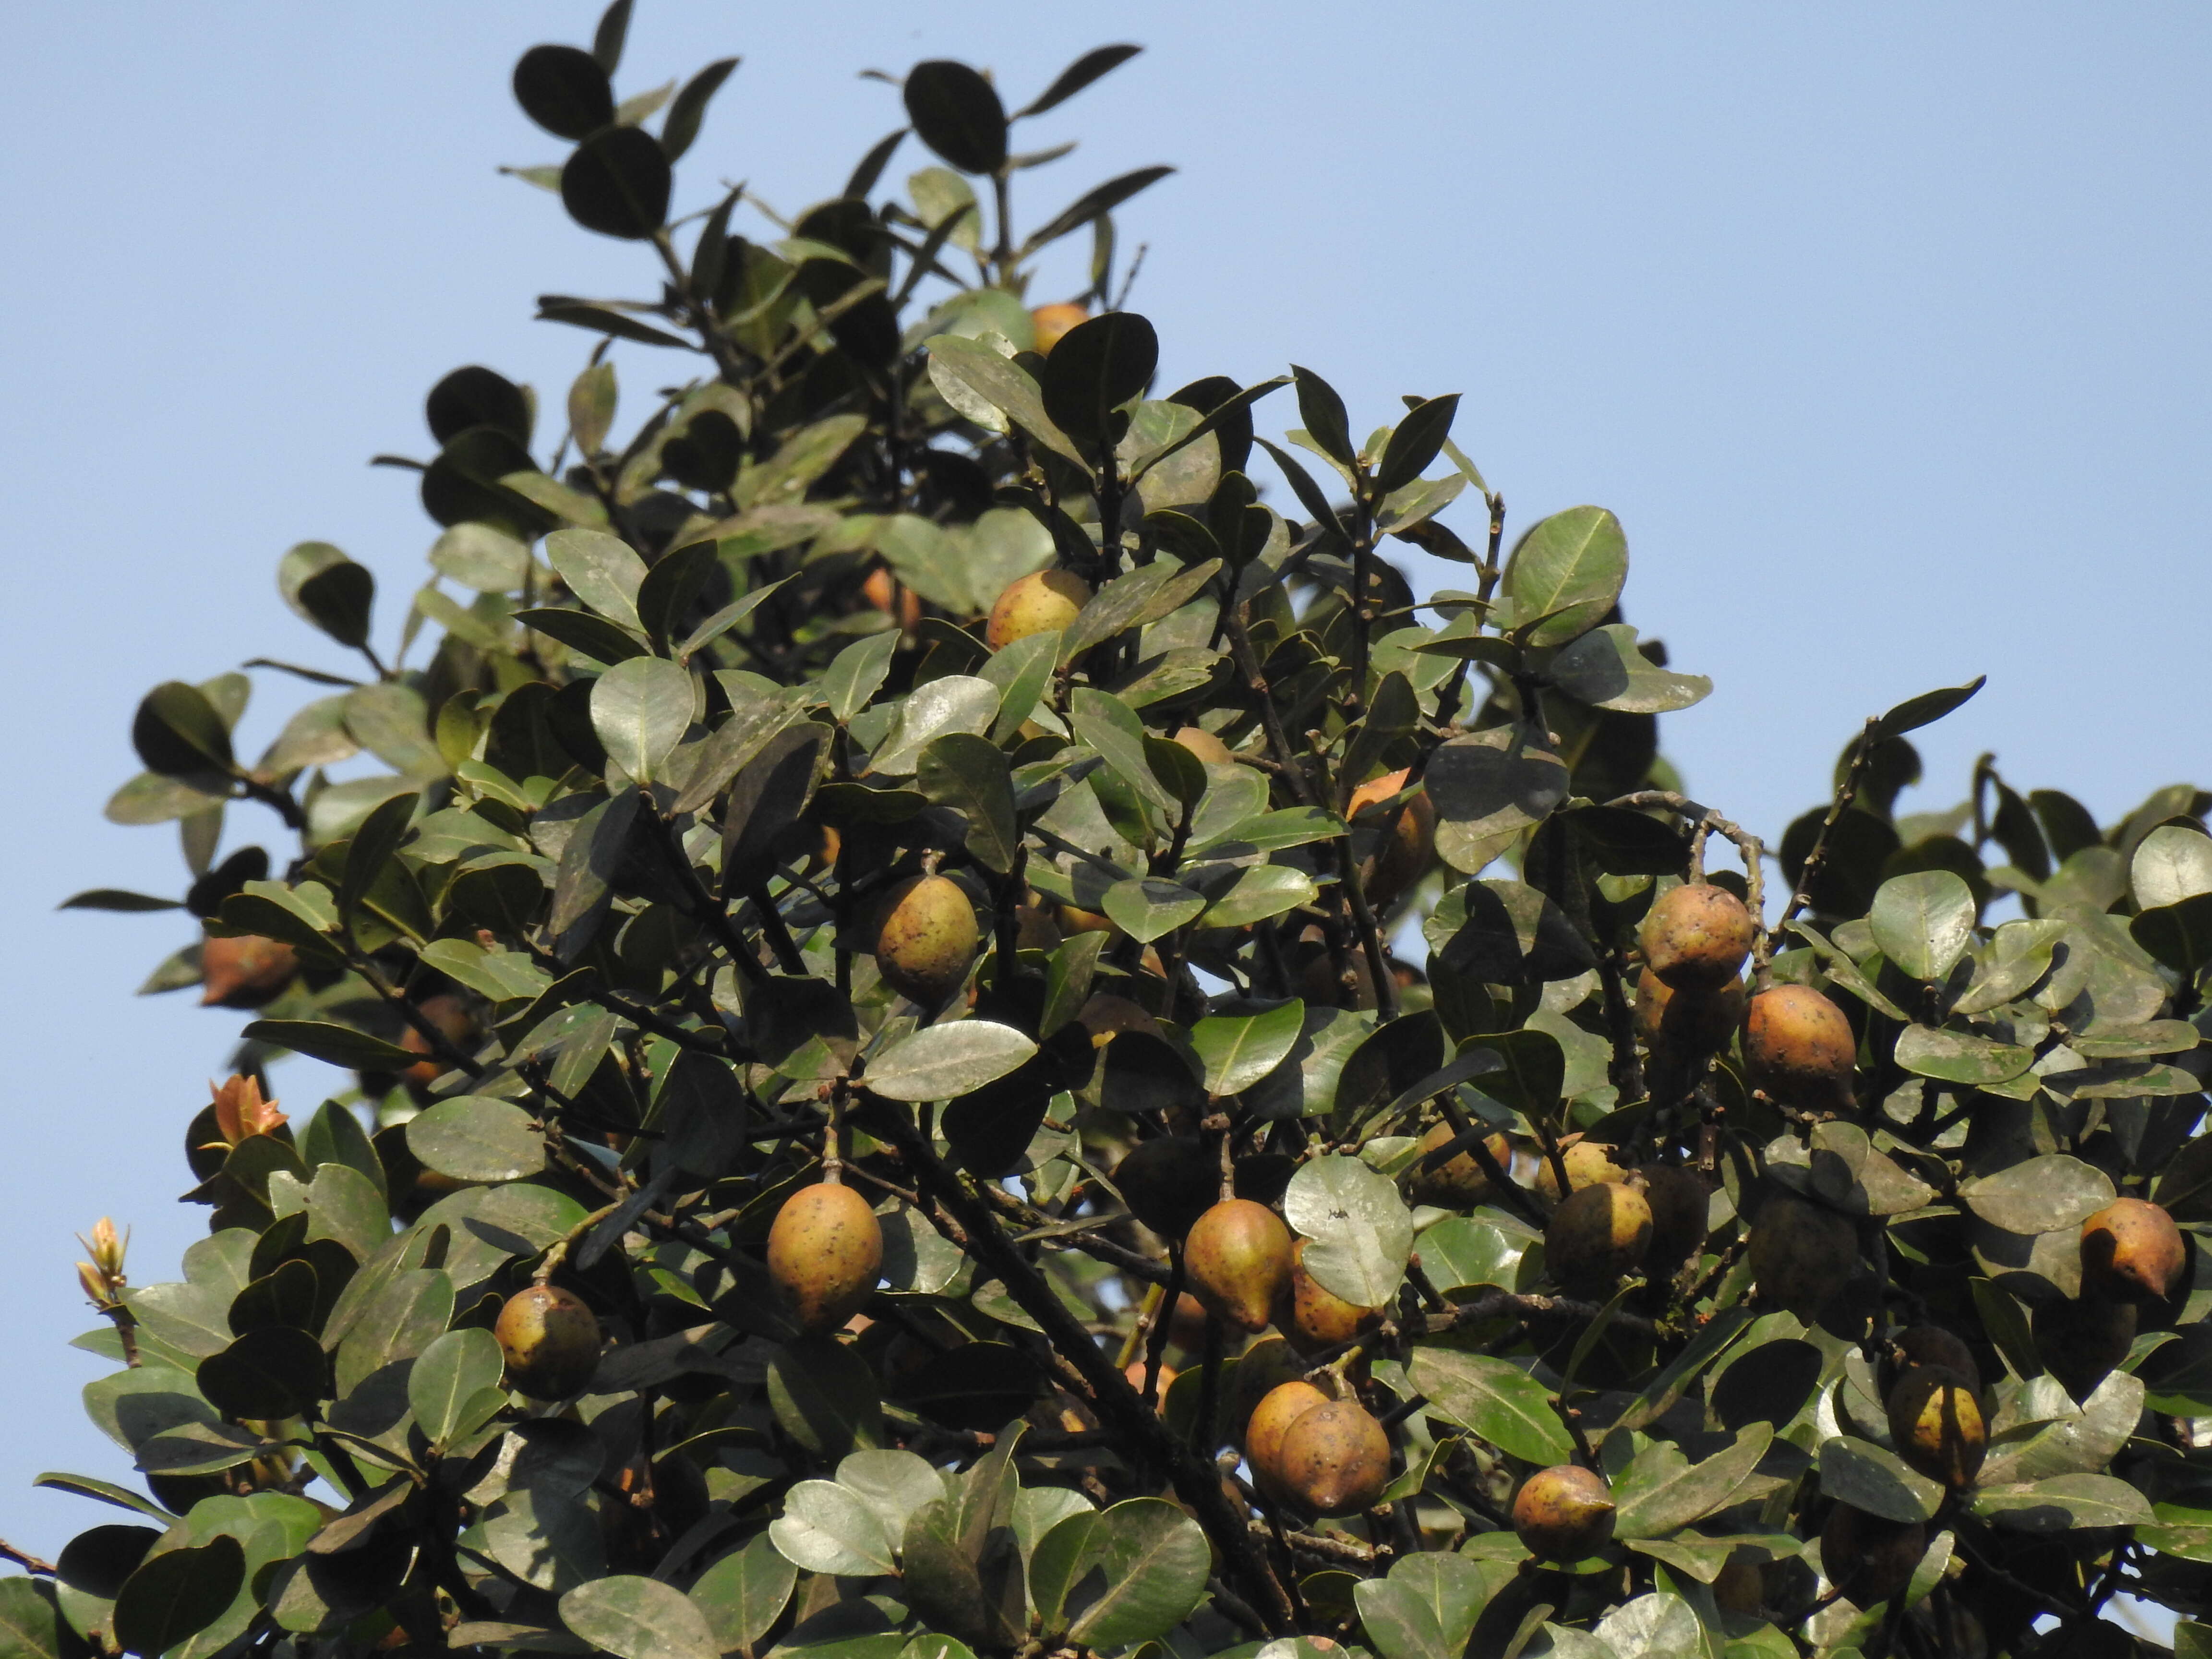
(1884, 329)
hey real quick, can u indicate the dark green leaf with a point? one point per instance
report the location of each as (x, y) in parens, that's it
(116, 898)
(941, 1062)
(956, 113)
(178, 734)
(275, 1372)
(617, 183)
(565, 91)
(689, 108)
(1492, 1398)
(1097, 62)
(1099, 365)
(340, 1045)
(1566, 574)
(476, 1137)
(608, 37)
(1923, 710)
(176, 1594)
(1415, 443)
(371, 847)
(1322, 411)
(578, 313)
(1092, 206)
(968, 773)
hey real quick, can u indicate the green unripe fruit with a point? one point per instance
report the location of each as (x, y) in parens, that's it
(1936, 1424)
(926, 939)
(1037, 604)
(1697, 936)
(1238, 1256)
(1563, 1513)
(551, 1340)
(1335, 1459)
(826, 1251)
(1598, 1237)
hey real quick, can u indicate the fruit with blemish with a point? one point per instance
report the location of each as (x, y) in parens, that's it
(449, 1017)
(1039, 603)
(1598, 1237)
(1316, 1318)
(1697, 936)
(1460, 1182)
(550, 1341)
(1335, 1459)
(1680, 1203)
(2131, 1251)
(925, 938)
(1563, 1513)
(1393, 863)
(245, 971)
(1936, 1424)
(1237, 1257)
(1587, 1161)
(1052, 322)
(1798, 1048)
(825, 1250)
(1682, 1024)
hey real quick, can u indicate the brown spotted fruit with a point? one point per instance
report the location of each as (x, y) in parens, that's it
(1334, 1459)
(1800, 1254)
(1936, 1424)
(1867, 1558)
(551, 1340)
(1687, 1024)
(825, 1250)
(1237, 1257)
(1269, 1422)
(1260, 1369)
(1038, 604)
(925, 939)
(1798, 1048)
(1598, 1237)
(1315, 1318)
(2083, 1342)
(1460, 1182)
(1168, 1183)
(1696, 937)
(1052, 323)
(245, 971)
(2131, 1251)
(1587, 1162)
(1563, 1513)
(1397, 855)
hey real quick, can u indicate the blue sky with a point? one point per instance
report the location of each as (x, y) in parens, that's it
(1883, 328)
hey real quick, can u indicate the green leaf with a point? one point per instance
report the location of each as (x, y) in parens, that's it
(1237, 1050)
(1098, 61)
(1361, 1232)
(1494, 1399)
(30, 1624)
(745, 1593)
(2171, 864)
(1262, 891)
(2179, 935)
(275, 1372)
(339, 1045)
(1093, 204)
(640, 710)
(2039, 1194)
(2064, 1502)
(1099, 365)
(1143, 1572)
(956, 113)
(1869, 1478)
(1605, 669)
(476, 1137)
(603, 571)
(1960, 1056)
(825, 1528)
(1661, 1490)
(1326, 422)
(635, 1617)
(941, 1062)
(690, 109)
(393, 723)
(1111, 729)
(1425, 1609)
(1923, 710)
(617, 183)
(1417, 441)
(976, 380)
(117, 898)
(857, 673)
(447, 1377)
(177, 1594)
(1150, 907)
(178, 734)
(949, 703)
(324, 587)
(1923, 922)
(371, 847)
(1566, 574)
(970, 775)
(2083, 1444)
(565, 90)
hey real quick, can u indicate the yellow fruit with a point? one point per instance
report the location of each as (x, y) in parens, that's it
(2131, 1251)
(1798, 1047)
(1392, 866)
(1800, 1254)
(2084, 1342)
(1052, 322)
(1238, 1256)
(1867, 1558)
(1563, 1513)
(1335, 1459)
(1936, 1424)
(1687, 1024)
(926, 939)
(1168, 1183)
(1037, 604)
(1588, 1164)
(1680, 1204)
(824, 1252)
(1598, 1237)
(1697, 936)
(245, 972)
(551, 1340)
(1203, 743)
(1315, 1319)
(1270, 1421)
(1458, 1183)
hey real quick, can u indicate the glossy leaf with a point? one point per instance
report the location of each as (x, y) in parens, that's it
(941, 1062)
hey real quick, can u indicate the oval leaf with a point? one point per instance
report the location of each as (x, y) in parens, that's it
(941, 1062)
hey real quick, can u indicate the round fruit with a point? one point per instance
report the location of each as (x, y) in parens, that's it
(1186, 1324)
(1460, 1182)
(1563, 1513)
(1800, 1254)
(1936, 1425)
(1037, 604)
(245, 972)
(1867, 1558)
(1053, 321)
(1335, 1459)
(1169, 1182)
(1931, 1345)
(1798, 1047)
(824, 1252)
(1690, 1023)
(1679, 1204)
(449, 1015)
(884, 591)
(926, 939)
(2131, 1251)
(1238, 1256)
(1203, 743)
(1393, 866)
(1316, 1318)
(2084, 1342)
(1588, 1164)
(1598, 1237)
(551, 1340)
(1263, 1368)
(1270, 1421)
(1697, 936)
